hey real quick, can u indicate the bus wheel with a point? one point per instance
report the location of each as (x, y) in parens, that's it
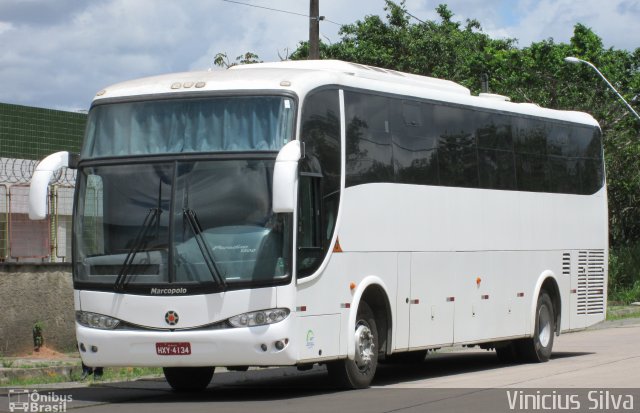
(537, 349)
(186, 379)
(358, 373)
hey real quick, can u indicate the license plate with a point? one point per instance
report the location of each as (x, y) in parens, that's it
(173, 349)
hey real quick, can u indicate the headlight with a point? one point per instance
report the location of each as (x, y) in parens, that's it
(259, 318)
(94, 320)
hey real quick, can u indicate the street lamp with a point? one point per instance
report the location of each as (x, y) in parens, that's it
(575, 60)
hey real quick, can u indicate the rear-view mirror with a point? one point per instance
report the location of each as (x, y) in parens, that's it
(285, 177)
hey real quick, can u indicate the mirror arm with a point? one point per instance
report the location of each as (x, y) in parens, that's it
(38, 189)
(74, 159)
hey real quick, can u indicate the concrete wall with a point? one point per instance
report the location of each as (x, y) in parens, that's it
(36, 292)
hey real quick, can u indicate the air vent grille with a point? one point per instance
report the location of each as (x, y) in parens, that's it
(591, 278)
(566, 263)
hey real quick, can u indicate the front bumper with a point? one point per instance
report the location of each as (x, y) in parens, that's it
(223, 347)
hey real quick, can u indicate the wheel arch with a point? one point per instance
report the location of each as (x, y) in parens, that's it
(547, 282)
(374, 292)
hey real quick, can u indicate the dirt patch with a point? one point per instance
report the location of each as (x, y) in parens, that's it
(45, 353)
(36, 294)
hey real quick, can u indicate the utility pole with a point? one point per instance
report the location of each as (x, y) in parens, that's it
(314, 30)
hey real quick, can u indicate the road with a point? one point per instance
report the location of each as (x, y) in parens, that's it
(605, 362)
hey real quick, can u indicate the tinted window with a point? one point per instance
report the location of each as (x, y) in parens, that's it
(494, 131)
(181, 223)
(532, 172)
(414, 144)
(321, 136)
(564, 175)
(212, 124)
(457, 151)
(496, 169)
(369, 153)
(591, 175)
(559, 142)
(442, 144)
(530, 136)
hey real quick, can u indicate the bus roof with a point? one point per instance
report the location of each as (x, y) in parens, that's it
(304, 75)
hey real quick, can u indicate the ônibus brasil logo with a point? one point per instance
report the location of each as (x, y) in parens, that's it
(24, 400)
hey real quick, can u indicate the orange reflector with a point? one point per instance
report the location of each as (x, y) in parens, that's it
(337, 247)
(478, 280)
(352, 286)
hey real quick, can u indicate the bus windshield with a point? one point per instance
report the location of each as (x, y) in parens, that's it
(187, 226)
(208, 124)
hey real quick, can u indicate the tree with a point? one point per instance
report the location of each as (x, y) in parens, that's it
(222, 60)
(462, 52)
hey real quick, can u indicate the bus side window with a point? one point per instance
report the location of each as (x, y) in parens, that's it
(309, 222)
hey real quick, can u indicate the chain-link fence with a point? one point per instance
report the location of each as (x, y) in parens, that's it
(4, 222)
(61, 208)
(24, 240)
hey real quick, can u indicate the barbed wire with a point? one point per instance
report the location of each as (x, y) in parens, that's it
(20, 171)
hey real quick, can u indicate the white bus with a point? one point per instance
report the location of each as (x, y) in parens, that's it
(326, 212)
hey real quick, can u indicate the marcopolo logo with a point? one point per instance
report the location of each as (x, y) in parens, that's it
(168, 291)
(171, 317)
(23, 400)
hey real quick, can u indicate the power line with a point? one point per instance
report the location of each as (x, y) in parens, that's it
(281, 11)
(266, 8)
(414, 17)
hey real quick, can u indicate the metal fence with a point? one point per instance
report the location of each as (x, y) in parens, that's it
(4, 222)
(22, 239)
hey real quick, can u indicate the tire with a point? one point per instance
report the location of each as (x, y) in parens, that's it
(358, 373)
(537, 349)
(188, 379)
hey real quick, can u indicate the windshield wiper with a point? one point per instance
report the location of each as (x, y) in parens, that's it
(195, 226)
(147, 224)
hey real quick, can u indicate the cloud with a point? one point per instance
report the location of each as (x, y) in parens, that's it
(5, 26)
(58, 54)
(40, 12)
(535, 20)
(614, 21)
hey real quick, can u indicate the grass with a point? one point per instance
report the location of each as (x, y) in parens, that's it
(43, 364)
(622, 312)
(110, 375)
(626, 295)
(45, 378)
(624, 274)
(130, 373)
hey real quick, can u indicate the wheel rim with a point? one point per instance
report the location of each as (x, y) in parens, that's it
(544, 326)
(365, 347)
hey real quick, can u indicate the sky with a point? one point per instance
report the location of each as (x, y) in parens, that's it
(58, 53)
